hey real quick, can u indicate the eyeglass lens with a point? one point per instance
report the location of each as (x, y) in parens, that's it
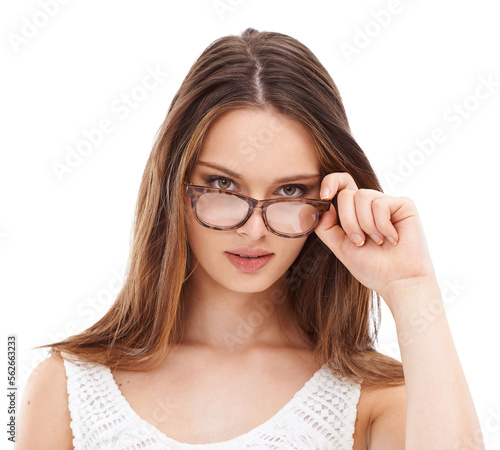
(222, 210)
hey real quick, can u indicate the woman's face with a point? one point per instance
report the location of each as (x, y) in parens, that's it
(247, 151)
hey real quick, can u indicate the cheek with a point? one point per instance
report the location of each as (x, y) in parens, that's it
(193, 227)
(204, 242)
(288, 251)
(195, 241)
(195, 235)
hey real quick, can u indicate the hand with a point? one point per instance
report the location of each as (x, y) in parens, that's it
(391, 250)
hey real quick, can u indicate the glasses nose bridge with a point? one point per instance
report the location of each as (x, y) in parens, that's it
(258, 203)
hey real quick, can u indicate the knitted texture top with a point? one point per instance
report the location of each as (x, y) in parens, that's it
(321, 415)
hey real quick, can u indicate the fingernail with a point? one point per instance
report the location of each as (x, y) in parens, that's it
(392, 240)
(357, 239)
(378, 239)
(325, 192)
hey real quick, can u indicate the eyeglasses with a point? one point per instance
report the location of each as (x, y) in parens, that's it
(219, 209)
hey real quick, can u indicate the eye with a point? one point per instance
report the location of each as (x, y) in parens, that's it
(225, 183)
(291, 189)
(221, 182)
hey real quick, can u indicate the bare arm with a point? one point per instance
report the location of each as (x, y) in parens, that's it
(435, 408)
(383, 245)
(44, 418)
(387, 427)
(440, 409)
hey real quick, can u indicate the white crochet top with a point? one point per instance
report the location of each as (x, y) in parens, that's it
(321, 415)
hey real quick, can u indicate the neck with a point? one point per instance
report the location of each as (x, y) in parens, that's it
(235, 322)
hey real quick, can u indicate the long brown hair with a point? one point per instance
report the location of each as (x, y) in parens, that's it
(338, 314)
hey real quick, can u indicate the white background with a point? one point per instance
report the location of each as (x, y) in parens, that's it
(64, 243)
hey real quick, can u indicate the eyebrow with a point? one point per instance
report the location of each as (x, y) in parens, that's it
(297, 176)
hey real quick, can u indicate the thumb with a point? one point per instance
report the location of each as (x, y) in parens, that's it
(330, 232)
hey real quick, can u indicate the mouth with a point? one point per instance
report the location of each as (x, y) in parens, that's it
(247, 252)
(249, 260)
(247, 256)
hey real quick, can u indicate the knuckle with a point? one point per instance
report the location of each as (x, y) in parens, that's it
(346, 175)
(362, 193)
(408, 200)
(378, 203)
(368, 226)
(334, 175)
(344, 195)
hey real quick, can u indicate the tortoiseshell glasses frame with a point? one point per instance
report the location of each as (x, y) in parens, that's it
(195, 192)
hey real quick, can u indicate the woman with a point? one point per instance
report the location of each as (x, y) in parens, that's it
(251, 324)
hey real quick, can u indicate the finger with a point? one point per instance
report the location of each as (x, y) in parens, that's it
(347, 215)
(383, 211)
(328, 221)
(330, 232)
(363, 199)
(335, 182)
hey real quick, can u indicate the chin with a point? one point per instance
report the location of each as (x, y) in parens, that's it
(250, 287)
(250, 282)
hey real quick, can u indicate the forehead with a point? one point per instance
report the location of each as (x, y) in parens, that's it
(260, 144)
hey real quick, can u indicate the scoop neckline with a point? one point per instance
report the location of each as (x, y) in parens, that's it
(164, 437)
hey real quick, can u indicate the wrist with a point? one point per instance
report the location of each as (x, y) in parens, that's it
(409, 295)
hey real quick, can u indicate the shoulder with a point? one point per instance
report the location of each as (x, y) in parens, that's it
(381, 421)
(44, 417)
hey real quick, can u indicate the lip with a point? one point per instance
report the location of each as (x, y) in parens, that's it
(256, 251)
(249, 265)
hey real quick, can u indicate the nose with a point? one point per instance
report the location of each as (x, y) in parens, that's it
(254, 228)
